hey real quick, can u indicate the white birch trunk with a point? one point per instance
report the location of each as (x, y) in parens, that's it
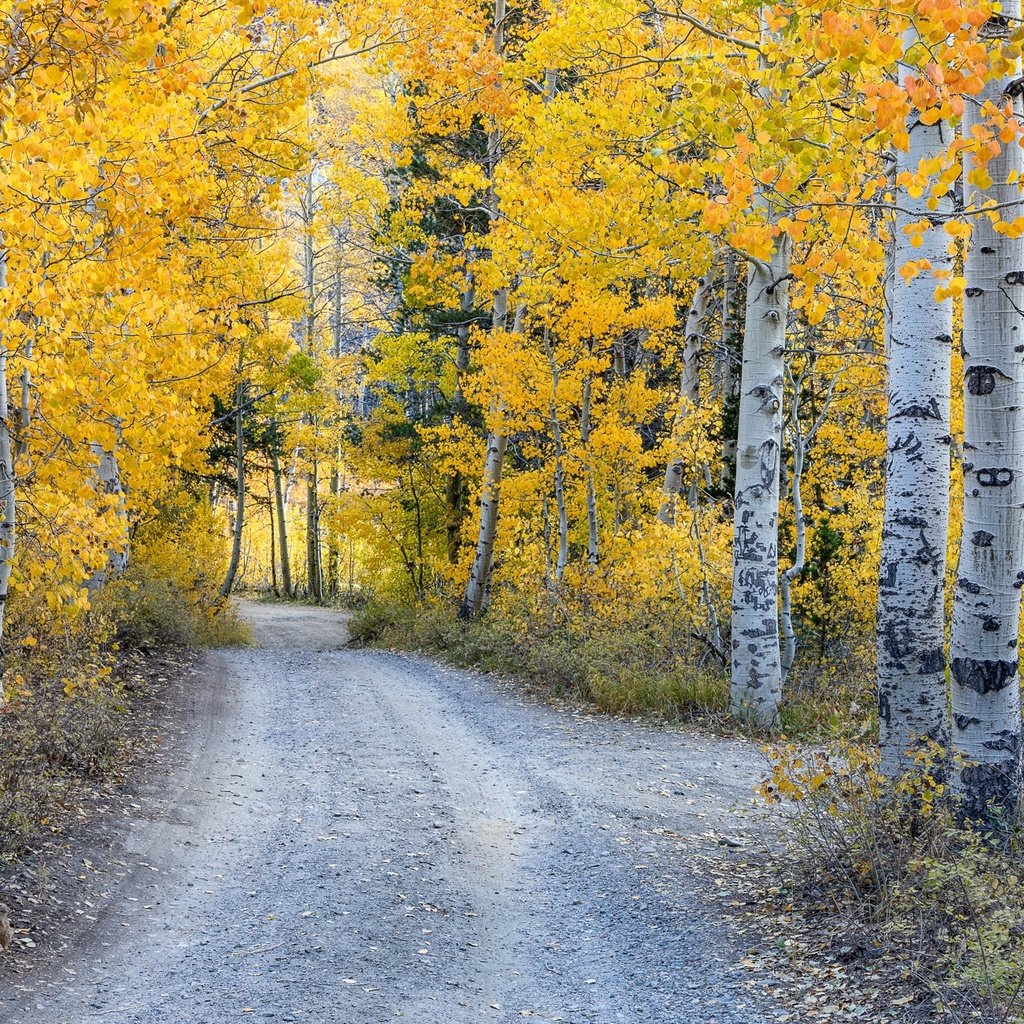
(476, 587)
(545, 520)
(911, 635)
(756, 671)
(108, 481)
(282, 525)
(756, 684)
(689, 395)
(274, 585)
(239, 523)
(314, 572)
(984, 656)
(593, 538)
(714, 640)
(490, 494)
(333, 585)
(556, 436)
(454, 489)
(563, 522)
(8, 492)
(8, 481)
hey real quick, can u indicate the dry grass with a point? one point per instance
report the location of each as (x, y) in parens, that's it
(636, 669)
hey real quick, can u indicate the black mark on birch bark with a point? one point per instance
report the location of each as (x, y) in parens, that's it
(994, 477)
(965, 721)
(920, 412)
(911, 522)
(981, 380)
(910, 445)
(925, 554)
(984, 676)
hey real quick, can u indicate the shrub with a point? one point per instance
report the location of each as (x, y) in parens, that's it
(65, 716)
(942, 899)
(170, 594)
(637, 668)
(370, 623)
(63, 720)
(147, 611)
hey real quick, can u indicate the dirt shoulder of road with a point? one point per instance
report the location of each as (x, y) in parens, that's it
(56, 887)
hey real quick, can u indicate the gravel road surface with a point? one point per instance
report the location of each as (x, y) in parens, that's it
(343, 836)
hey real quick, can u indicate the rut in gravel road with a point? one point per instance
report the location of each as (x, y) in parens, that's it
(354, 837)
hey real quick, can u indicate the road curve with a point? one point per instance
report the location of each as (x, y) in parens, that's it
(355, 837)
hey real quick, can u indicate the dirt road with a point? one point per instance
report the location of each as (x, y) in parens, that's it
(355, 837)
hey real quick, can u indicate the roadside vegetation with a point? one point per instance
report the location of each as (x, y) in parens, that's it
(73, 692)
(637, 671)
(649, 665)
(884, 890)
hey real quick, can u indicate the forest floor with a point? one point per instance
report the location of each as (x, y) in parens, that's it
(347, 836)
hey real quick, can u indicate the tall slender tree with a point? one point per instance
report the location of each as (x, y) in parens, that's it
(919, 329)
(238, 525)
(689, 394)
(756, 666)
(8, 482)
(282, 515)
(984, 648)
(494, 460)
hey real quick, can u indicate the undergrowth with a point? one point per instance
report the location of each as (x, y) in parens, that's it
(890, 872)
(62, 723)
(636, 670)
(148, 610)
(69, 679)
(644, 664)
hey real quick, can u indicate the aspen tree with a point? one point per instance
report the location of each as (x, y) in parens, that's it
(689, 394)
(756, 667)
(593, 531)
(800, 440)
(455, 487)
(108, 482)
(490, 493)
(8, 482)
(911, 621)
(282, 520)
(475, 598)
(238, 525)
(984, 651)
(756, 685)
(309, 206)
(726, 357)
(559, 455)
(337, 327)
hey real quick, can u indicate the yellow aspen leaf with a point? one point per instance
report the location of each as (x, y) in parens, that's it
(980, 177)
